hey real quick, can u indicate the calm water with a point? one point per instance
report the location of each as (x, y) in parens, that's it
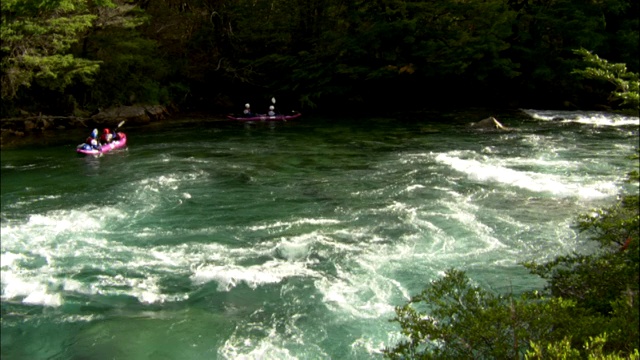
(209, 239)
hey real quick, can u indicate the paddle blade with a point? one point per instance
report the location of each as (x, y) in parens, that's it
(121, 123)
(273, 100)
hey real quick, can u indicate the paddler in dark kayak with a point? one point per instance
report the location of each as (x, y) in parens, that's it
(247, 110)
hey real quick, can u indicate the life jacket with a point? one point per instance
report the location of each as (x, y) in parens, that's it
(106, 138)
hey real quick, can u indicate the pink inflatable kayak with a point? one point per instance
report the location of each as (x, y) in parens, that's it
(262, 117)
(116, 144)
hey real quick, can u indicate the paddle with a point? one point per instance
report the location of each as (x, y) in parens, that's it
(115, 131)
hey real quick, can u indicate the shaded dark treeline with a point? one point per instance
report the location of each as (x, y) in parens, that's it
(373, 55)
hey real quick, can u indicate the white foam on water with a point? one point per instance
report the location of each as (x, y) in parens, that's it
(361, 287)
(30, 288)
(360, 296)
(290, 224)
(39, 254)
(31, 248)
(296, 248)
(537, 182)
(270, 272)
(162, 182)
(8, 259)
(269, 339)
(81, 318)
(364, 286)
(357, 234)
(465, 214)
(369, 345)
(252, 350)
(153, 190)
(24, 167)
(42, 297)
(146, 289)
(545, 161)
(598, 118)
(413, 187)
(27, 202)
(545, 147)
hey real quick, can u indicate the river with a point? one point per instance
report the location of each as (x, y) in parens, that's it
(212, 239)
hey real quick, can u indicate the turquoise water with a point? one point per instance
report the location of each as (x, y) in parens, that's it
(210, 239)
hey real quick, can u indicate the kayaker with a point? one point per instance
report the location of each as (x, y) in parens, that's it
(106, 137)
(92, 140)
(271, 111)
(247, 110)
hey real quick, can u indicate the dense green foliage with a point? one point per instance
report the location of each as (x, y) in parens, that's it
(49, 62)
(626, 84)
(36, 38)
(589, 308)
(65, 55)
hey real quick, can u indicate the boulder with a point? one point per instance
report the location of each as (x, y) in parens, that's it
(136, 114)
(29, 125)
(44, 123)
(489, 123)
(156, 112)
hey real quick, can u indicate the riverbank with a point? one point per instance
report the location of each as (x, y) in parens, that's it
(31, 128)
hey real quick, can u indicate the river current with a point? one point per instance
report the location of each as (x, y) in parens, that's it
(212, 239)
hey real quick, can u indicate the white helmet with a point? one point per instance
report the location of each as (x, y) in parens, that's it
(247, 105)
(271, 107)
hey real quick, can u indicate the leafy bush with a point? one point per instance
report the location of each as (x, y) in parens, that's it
(626, 84)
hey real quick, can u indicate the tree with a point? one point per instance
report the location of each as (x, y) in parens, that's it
(545, 33)
(626, 84)
(53, 51)
(452, 319)
(131, 69)
(36, 38)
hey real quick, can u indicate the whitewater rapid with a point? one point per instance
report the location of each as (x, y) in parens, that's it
(288, 242)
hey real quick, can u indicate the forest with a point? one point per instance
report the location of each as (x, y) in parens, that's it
(74, 57)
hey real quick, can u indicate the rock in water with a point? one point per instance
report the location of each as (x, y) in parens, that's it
(489, 123)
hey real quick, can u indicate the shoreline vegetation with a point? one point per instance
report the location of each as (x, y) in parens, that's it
(16, 131)
(75, 57)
